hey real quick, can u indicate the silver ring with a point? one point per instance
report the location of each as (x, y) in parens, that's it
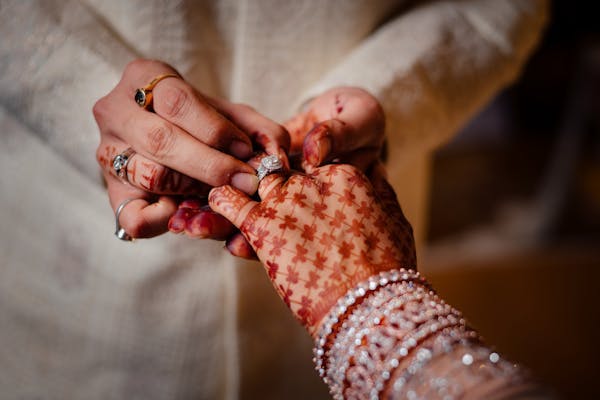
(120, 163)
(268, 165)
(119, 231)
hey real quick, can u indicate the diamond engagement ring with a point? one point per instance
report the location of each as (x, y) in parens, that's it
(143, 96)
(269, 165)
(119, 231)
(120, 163)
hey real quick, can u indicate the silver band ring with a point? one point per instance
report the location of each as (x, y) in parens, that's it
(120, 163)
(268, 165)
(119, 231)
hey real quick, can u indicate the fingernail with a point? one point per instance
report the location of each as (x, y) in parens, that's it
(199, 226)
(240, 149)
(318, 150)
(282, 154)
(178, 220)
(323, 148)
(247, 183)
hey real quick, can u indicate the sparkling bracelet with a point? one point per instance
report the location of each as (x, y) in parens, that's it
(392, 336)
(380, 349)
(355, 296)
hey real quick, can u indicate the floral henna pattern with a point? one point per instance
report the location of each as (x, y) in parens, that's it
(316, 244)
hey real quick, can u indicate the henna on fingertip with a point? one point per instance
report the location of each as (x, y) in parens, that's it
(238, 246)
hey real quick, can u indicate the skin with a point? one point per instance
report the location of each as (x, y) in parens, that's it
(192, 142)
(344, 123)
(188, 144)
(321, 233)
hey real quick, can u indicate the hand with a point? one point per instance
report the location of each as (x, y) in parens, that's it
(344, 123)
(320, 234)
(190, 143)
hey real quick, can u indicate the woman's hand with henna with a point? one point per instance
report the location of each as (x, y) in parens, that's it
(343, 123)
(321, 233)
(190, 143)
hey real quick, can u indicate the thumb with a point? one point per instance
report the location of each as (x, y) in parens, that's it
(231, 203)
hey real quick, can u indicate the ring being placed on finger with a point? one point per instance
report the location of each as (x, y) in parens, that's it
(269, 165)
(143, 96)
(120, 163)
(119, 230)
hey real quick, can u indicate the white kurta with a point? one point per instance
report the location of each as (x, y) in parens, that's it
(85, 316)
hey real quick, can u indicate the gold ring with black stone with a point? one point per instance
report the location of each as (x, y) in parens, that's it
(143, 96)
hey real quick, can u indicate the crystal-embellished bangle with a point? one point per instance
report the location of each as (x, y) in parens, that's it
(362, 321)
(442, 343)
(351, 298)
(407, 345)
(370, 313)
(371, 342)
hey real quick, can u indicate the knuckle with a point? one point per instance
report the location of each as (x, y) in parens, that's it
(372, 107)
(215, 132)
(216, 170)
(101, 156)
(282, 136)
(153, 180)
(160, 140)
(100, 109)
(172, 101)
(140, 65)
(136, 225)
(349, 170)
(242, 107)
(136, 66)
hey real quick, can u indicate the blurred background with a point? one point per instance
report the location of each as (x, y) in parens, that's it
(514, 220)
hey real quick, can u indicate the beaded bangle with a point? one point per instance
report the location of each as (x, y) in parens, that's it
(351, 298)
(372, 342)
(392, 335)
(364, 320)
(373, 309)
(443, 343)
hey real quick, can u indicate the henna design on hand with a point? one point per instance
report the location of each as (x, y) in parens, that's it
(321, 234)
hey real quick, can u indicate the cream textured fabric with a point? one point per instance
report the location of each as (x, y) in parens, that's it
(85, 316)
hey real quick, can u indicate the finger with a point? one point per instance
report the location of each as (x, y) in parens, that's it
(208, 224)
(239, 247)
(231, 203)
(146, 174)
(298, 126)
(269, 135)
(143, 217)
(329, 139)
(179, 103)
(186, 210)
(195, 218)
(362, 159)
(353, 119)
(270, 185)
(166, 144)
